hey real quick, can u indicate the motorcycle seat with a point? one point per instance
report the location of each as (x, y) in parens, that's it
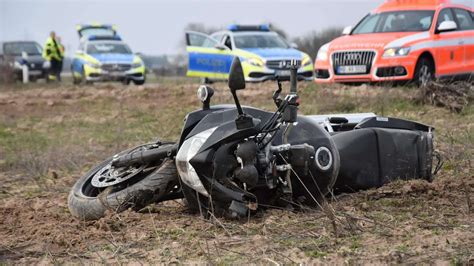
(393, 123)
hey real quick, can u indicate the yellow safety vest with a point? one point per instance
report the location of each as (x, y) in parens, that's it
(52, 50)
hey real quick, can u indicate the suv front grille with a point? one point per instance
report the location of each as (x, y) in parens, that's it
(116, 67)
(353, 58)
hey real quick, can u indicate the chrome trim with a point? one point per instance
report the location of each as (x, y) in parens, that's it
(358, 50)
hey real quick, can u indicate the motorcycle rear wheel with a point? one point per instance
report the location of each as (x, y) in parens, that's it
(87, 202)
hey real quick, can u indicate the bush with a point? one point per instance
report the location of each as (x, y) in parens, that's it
(7, 74)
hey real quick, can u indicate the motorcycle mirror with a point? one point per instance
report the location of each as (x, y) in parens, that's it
(236, 76)
(204, 94)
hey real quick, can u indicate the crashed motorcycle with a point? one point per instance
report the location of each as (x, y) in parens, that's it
(232, 160)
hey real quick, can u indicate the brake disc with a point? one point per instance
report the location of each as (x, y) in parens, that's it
(109, 176)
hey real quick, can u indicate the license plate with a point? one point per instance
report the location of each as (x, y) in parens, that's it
(116, 74)
(351, 69)
(282, 73)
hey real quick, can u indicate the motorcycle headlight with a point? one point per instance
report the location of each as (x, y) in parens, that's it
(187, 151)
(92, 64)
(256, 62)
(399, 51)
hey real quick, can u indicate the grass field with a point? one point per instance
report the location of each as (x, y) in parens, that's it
(51, 134)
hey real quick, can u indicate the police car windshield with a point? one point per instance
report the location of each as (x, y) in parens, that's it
(16, 48)
(249, 41)
(396, 21)
(108, 48)
(103, 32)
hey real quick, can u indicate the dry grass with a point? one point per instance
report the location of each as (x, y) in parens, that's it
(49, 135)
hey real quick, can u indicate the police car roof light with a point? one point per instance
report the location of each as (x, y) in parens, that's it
(88, 26)
(234, 27)
(98, 37)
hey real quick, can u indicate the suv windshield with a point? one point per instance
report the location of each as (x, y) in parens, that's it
(108, 48)
(247, 41)
(396, 21)
(16, 48)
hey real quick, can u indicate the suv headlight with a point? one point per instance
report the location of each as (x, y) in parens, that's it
(256, 62)
(399, 51)
(323, 53)
(187, 151)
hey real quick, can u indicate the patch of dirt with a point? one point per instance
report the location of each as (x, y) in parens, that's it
(403, 222)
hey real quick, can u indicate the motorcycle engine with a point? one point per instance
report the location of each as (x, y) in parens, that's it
(246, 154)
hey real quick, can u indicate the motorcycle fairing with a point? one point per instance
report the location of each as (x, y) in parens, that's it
(304, 131)
(376, 156)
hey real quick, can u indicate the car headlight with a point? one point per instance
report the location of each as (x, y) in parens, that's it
(92, 64)
(15, 65)
(323, 53)
(306, 61)
(399, 51)
(256, 62)
(187, 151)
(46, 65)
(137, 65)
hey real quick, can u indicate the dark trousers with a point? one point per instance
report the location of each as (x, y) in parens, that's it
(55, 69)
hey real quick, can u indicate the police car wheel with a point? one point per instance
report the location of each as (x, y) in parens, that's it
(75, 80)
(139, 82)
(205, 81)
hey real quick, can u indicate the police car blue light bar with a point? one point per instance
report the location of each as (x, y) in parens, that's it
(234, 27)
(96, 25)
(98, 37)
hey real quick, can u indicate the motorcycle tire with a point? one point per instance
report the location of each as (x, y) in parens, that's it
(87, 202)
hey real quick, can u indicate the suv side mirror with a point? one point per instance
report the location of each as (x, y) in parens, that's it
(294, 45)
(347, 30)
(236, 76)
(446, 26)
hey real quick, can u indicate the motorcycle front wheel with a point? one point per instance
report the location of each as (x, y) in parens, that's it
(133, 186)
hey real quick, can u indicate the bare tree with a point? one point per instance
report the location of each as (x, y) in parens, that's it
(278, 30)
(311, 42)
(200, 27)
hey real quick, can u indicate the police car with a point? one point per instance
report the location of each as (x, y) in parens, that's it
(103, 56)
(264, 54)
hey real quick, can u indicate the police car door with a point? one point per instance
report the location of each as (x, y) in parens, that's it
(207, 58)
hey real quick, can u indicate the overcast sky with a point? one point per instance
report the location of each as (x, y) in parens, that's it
(156, 27)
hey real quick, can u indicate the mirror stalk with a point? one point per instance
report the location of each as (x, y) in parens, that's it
(237, 103)
(290, 114)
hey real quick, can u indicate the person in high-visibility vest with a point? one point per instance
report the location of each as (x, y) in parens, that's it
(61, 53)
(52, 53)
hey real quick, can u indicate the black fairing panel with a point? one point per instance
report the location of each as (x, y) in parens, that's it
(317, 182)
(221, 116)
(372, 157)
